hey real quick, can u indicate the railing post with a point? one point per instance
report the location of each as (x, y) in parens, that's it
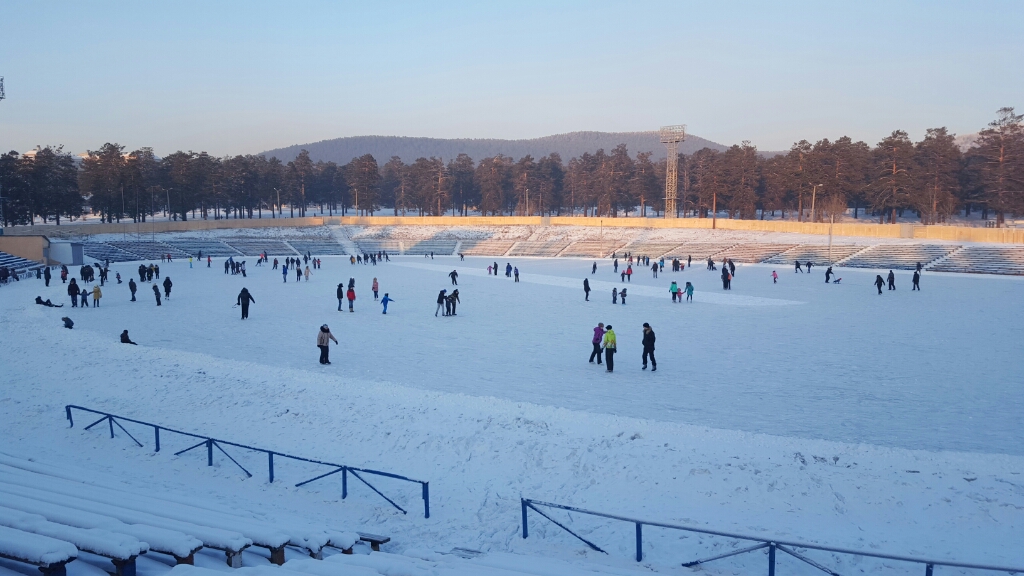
(526, 531)
(928, 569)
(271, 458)
(344, 482)
(426, 500)
(209, 452)
(110, 422)
(639, 542)
(771, 559)
(71, 421)
(156, 432)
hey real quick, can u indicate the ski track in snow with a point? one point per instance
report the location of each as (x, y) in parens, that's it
(199, 369)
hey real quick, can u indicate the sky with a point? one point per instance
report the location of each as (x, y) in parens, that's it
(233, 77)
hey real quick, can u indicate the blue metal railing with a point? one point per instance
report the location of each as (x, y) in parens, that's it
(771, 544)
(210, 443)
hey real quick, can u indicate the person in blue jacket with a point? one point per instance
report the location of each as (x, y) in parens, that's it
(385, 301)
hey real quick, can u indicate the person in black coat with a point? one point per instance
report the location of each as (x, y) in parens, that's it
(133, 287)
(244, 298)
(879, 283)
(917, 279)
(47, 275)
(441, 299)
(125, 339)
(648, 343)
(341, 295)
(586, 290)
(167, 287)
(892, 280)
(156, 292)
(73, 292)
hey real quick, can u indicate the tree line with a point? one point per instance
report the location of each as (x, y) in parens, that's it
(932, 178)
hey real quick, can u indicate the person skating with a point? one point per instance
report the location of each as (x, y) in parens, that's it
(593, 269)
(375, 287)
(167, 287)
(586, 290)
(125, 339)
(809, 265)
(298, 271)
(879, 283)
(156, 292)
(83, 297)
(654, 268)
(448, 305)
(284, 273)
(508, 270)
(673, 290)
(732, 268)
(385, 300)
(828, 274)
(307, 273)
(892, 280)
(495, 269)
(323, 342)
(648, 342)
(919, 267)
(516, 271)
(454, 299)
(132, 286)
(209, 262)
(47, 275)
(689, 292)
(622, 296)
(916, 280)
(156, 271)
(725, 278)
(615, 266)
(96, 295)
(340, 292)
(608, 345)
(689, 259)
(455, 277)
(798, 268)
(73, 292)
(615, 296)
(350, 295)
(775, 277)
(244, 298)
(67, 322)
(118, 276)
(47, 303)
(596, 341)
(629, 273)
(63, 274)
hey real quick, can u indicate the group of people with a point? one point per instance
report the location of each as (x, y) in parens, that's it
(510, 270)
(372, 258)
(604, 340)
(447, 301)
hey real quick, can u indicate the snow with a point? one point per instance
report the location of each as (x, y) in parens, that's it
(34, 548)
(800, 410)
(102, 542)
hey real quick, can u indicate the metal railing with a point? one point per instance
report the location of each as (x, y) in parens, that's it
(210, 443)
(772, 545)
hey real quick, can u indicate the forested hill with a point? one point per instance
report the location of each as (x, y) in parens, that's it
(343, 150)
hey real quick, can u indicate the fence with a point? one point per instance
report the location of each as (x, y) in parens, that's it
(210, 443)
(772, 545)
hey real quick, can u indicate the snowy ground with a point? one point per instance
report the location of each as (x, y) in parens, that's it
(801, 410)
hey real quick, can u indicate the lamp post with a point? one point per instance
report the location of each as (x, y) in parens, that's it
(814, 193)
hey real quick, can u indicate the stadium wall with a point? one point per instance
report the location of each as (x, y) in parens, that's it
(28, 247)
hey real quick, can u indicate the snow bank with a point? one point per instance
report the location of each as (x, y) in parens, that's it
(34, 548)
(95, 540)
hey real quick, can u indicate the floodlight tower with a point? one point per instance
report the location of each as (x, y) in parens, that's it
(1, 187)
(671, 136)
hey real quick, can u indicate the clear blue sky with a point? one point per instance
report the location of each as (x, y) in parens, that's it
(241, 77)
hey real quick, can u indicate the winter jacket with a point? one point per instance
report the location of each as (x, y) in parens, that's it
(96, 293)
(341, 291)
(598, 334)
(609, 340)
(73, 288)
(324, 337)
(351, 294)
(375, 286)
(244, 298)
(648, 341)
(167, 283)
(673, 289)
(132, 285)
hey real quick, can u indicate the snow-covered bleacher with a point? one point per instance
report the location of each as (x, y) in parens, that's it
(146, 249)
(984, 260)
(753, 253)
(428, 246)
(486, 247)
(652, 249)
(898, 256)
(42, 502)
(815, 253)
(256, 246)
(17, 263)
(102, 252)
(699, 250)
(592, 248)
(317, 247)
(205, 247)
(376, 245)
(547, 248)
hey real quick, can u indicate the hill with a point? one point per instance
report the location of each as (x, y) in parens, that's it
(342, 150)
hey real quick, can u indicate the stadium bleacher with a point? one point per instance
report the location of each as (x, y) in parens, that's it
(898, 256)
(147, 250)
(817, 254)
(256, 246)
(437, 247)
(983, 260)
(317, 247)
(546, 248)
(486, 247)
(18, 264)
(591, 248)
(753, 253)
(652, 249)
(376, 245)
(213, 248)
(699, 250)
(102, 252)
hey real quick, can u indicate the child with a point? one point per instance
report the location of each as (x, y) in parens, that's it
(385, 301)
(775, 277)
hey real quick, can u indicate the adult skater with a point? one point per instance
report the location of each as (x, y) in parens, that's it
(47, 303)
(673, 290)
(629, 273)
(350, 295)
(622, 296)
(46, 275)
(495, 269)
(916, 280)
(284, 272)
(454, 299)
(156, 292)
(689, 292)
(615, 296)
(132, 286)
(508, 270)
(375, 287)
(919, 267)
(586, 290)
(96, 295)
(125, 339)
(341, 294)
(455, 277)
(608, 345)
(167, 287)
(879, 283)
(385, 300)
(67, 322)
(323, 341)
(73, 292)
(688, 260)
(798, 268)
(892, 280)
(615, 266)
(725, 277)
(775, 277)
(809, 265)
(648, 342)
(516, 271)
(244, 298)
(828, 274)
(654, 268)
(596, 341)
(593, 269)
(298, 271)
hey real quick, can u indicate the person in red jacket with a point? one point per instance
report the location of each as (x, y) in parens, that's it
(351, 295)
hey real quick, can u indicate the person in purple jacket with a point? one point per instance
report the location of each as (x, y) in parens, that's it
(598, 336)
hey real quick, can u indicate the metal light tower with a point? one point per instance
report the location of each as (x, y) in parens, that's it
(671, 136)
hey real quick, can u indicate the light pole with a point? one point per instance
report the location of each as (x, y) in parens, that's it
(169, 204)
(814, 192)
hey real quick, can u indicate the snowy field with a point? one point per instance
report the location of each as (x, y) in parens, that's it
(801, 410)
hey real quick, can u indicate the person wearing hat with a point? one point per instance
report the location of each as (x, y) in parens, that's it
(323, 340)
(608, 343)
(648, 343)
